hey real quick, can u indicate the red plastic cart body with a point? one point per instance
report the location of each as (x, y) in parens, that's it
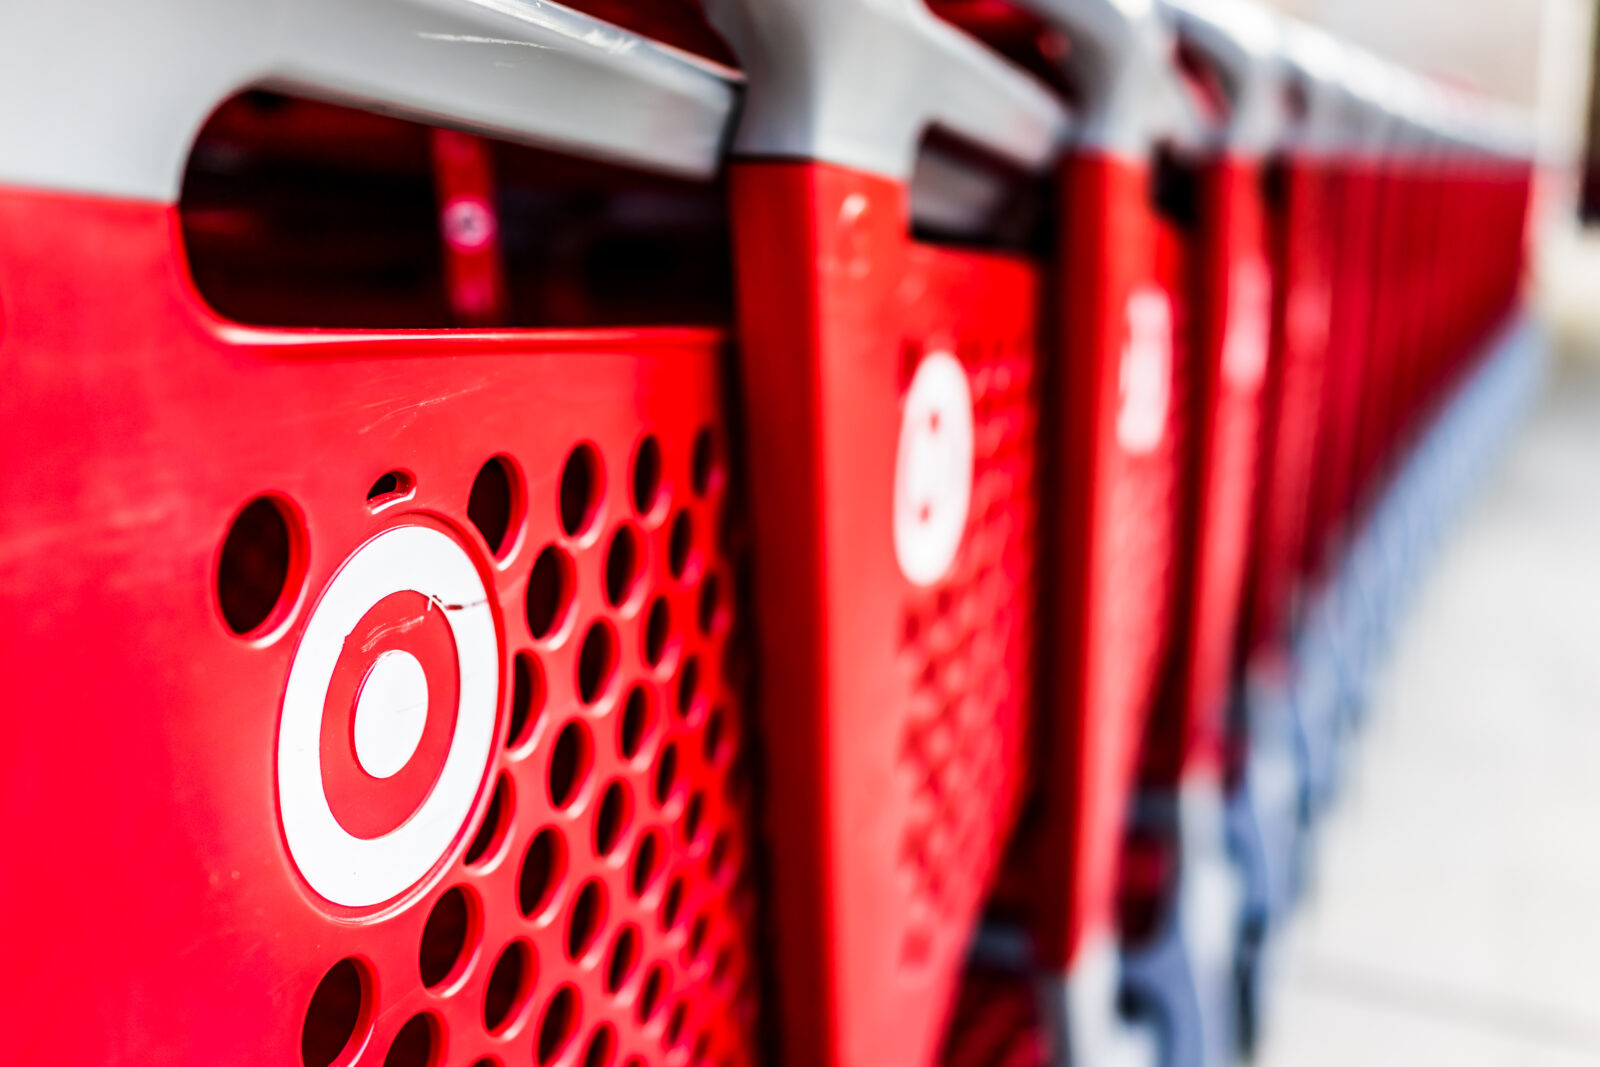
(153, 796)
(890, 412)
(1354, 251)
(1121, 397)
(893, 713)
(1392, 344)
(1117, 394)
(1233, 321)
(384, 700)
(1297, 375)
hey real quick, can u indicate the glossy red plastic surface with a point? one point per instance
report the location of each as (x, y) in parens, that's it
(892, 714)
(1299, 238)
(152, 910)
(1427, 260)
(1354, 258)
(1112, 555)
(1233, 317)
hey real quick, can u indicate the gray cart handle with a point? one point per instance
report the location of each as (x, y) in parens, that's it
(106, 97)
(1242, 39)
(857, 82)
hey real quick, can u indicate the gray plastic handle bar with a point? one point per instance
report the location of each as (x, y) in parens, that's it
(1316, 62)
(1121, 56)
(107, 97)
(1242, 39)
(857, 82)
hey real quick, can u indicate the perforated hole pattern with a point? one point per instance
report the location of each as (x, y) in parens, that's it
(965, 645)
(628, 942)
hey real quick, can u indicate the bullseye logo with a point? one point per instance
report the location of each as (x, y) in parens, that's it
(1144, 381)
(933, 469)
(1244, 353)
(388, 717)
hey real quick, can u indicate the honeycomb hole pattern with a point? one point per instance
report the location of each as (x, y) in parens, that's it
(598, 910)
(963, 644)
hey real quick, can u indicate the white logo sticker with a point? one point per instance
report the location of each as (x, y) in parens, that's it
(346, 665)
(1244, 352)
(1144, 382)
(933, 469)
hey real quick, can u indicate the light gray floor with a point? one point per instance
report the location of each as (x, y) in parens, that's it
(1456, 913)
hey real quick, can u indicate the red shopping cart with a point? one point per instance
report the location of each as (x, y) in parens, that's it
(1119, 392)
(891, 395)
(1183, 897)
(385, 699)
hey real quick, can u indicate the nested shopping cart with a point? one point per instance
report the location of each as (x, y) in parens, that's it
(1300, 201)
(1183, 894)
(890, 378)
(1264, 754)
(376, 684)
(1117, 405)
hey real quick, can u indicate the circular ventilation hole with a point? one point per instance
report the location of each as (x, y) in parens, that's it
(646, 863)
(415, 1044)
(444, 937)
(257, 562)
(710, 601)
(336, 1009)
(487, 841)
(602, 1048)
(693, 816)
(494, 503)
(638, 717)
(672, 904)
(697, 937)
(623, 959)
(542, 868)
(679, 543)
(711, 739)
(688, 685)
(581, 482)
(657, 629)
(549, 592)
(569, 763)
(508, 987)
(680, 1014)
(584, 922)
(721, 965)
(611, 820)
(622, 565)
(703, 462)
(527, 699)
(647, 475)
(666, 773)
(655, 984)
(718, 854)
(597, 661)
(389, 489)
(555, 1029)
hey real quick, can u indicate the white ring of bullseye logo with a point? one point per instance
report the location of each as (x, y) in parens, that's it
(1144, 382)
(933, 469)
(360, 872)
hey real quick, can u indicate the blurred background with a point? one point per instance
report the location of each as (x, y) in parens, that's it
(1453, 918)
(1532, 53)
